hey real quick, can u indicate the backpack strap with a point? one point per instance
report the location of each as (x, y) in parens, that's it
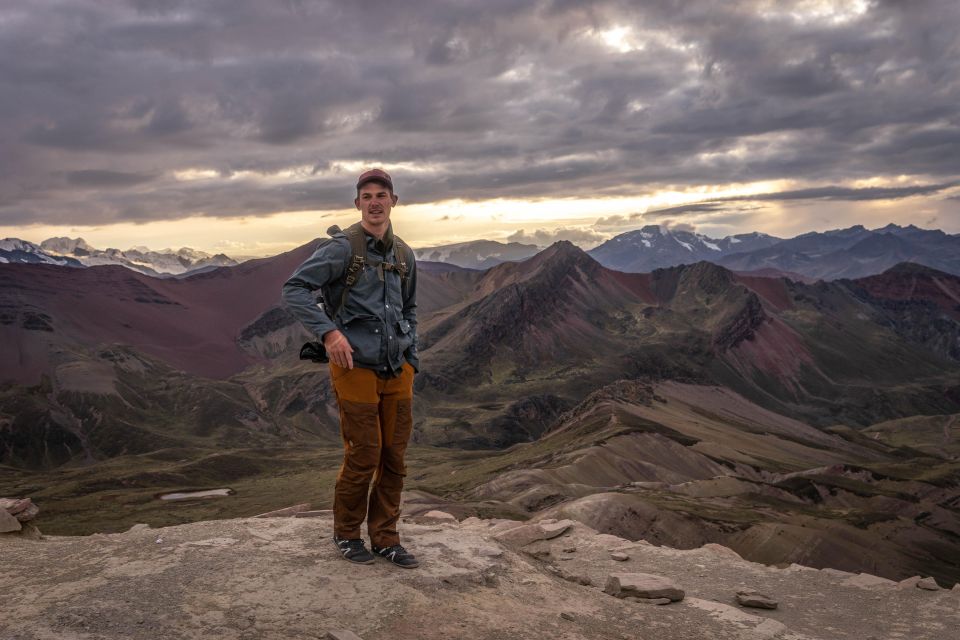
(403, 257)
(358, 258)
(403, 254)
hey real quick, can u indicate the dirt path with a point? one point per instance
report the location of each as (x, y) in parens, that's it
(281, 578)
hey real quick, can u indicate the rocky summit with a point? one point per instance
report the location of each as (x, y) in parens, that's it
(281, 577)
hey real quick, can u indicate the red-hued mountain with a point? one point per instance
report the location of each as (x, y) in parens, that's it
(191, 324)
(909, 281)
(555, 305)
(561, 323)
(200, 324)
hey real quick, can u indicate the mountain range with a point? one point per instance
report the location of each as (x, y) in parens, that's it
(853, 252)
(75, 252)
(793, 421)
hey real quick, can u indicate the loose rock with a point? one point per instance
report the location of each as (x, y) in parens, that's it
(554, 529)
(440, 515)
(8, 523)
(527, 533)
(342, 634)
(566, 615)
(909, 583)
(929, 584)
(22, 509)
(642, 585)
(619, 556)
(756, 600)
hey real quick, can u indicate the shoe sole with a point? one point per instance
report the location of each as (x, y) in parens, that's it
(402, 566)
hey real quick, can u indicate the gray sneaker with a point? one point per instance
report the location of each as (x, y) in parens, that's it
(353, 550)
(397, 555)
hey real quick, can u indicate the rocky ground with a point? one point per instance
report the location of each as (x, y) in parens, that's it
(268, 578)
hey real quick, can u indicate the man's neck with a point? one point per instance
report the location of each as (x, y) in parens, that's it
(376, 231)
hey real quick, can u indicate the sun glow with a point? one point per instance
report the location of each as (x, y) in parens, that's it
(455, 220)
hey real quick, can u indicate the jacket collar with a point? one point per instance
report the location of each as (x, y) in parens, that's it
(383, 245)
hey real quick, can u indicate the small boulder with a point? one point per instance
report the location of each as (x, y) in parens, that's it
(566, 615)
(755, 599)
(22, 509)
(619, 556)
(439, 515)
(929, 584)
(8, 523)
(909, 583)
(554, 529)
(520, 536)
(642, 585)
(527, 533)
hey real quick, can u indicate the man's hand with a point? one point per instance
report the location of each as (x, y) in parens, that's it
(338, 349)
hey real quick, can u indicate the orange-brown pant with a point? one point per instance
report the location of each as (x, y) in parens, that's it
(376, 418)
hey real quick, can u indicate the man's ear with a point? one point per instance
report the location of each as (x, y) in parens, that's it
(393, 197)
(356, 203)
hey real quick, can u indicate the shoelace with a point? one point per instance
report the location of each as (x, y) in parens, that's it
(398, 549)
(353, 545)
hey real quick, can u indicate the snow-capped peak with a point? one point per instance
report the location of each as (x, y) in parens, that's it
(66, 246)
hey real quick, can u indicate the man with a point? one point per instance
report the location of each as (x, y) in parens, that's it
(368, 327)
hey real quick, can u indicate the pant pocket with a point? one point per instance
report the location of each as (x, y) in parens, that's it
(360, 424)
(404, 424)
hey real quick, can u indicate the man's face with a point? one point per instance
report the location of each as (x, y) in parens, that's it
(375, 201)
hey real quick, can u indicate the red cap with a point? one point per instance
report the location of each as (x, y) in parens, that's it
(375, 174)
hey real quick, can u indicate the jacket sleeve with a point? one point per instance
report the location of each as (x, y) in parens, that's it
(410, 312)
(325, 266)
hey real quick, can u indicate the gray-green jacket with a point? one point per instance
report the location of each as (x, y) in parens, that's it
(379, 317)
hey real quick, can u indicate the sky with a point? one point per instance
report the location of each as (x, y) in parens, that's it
(240, 126)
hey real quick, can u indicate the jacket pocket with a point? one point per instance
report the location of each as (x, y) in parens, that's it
(404, 335)
(365, 333)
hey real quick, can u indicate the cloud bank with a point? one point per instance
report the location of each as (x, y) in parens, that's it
(133, 111)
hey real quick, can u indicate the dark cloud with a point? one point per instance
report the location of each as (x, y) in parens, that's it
(100, 179)
(504, 98)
